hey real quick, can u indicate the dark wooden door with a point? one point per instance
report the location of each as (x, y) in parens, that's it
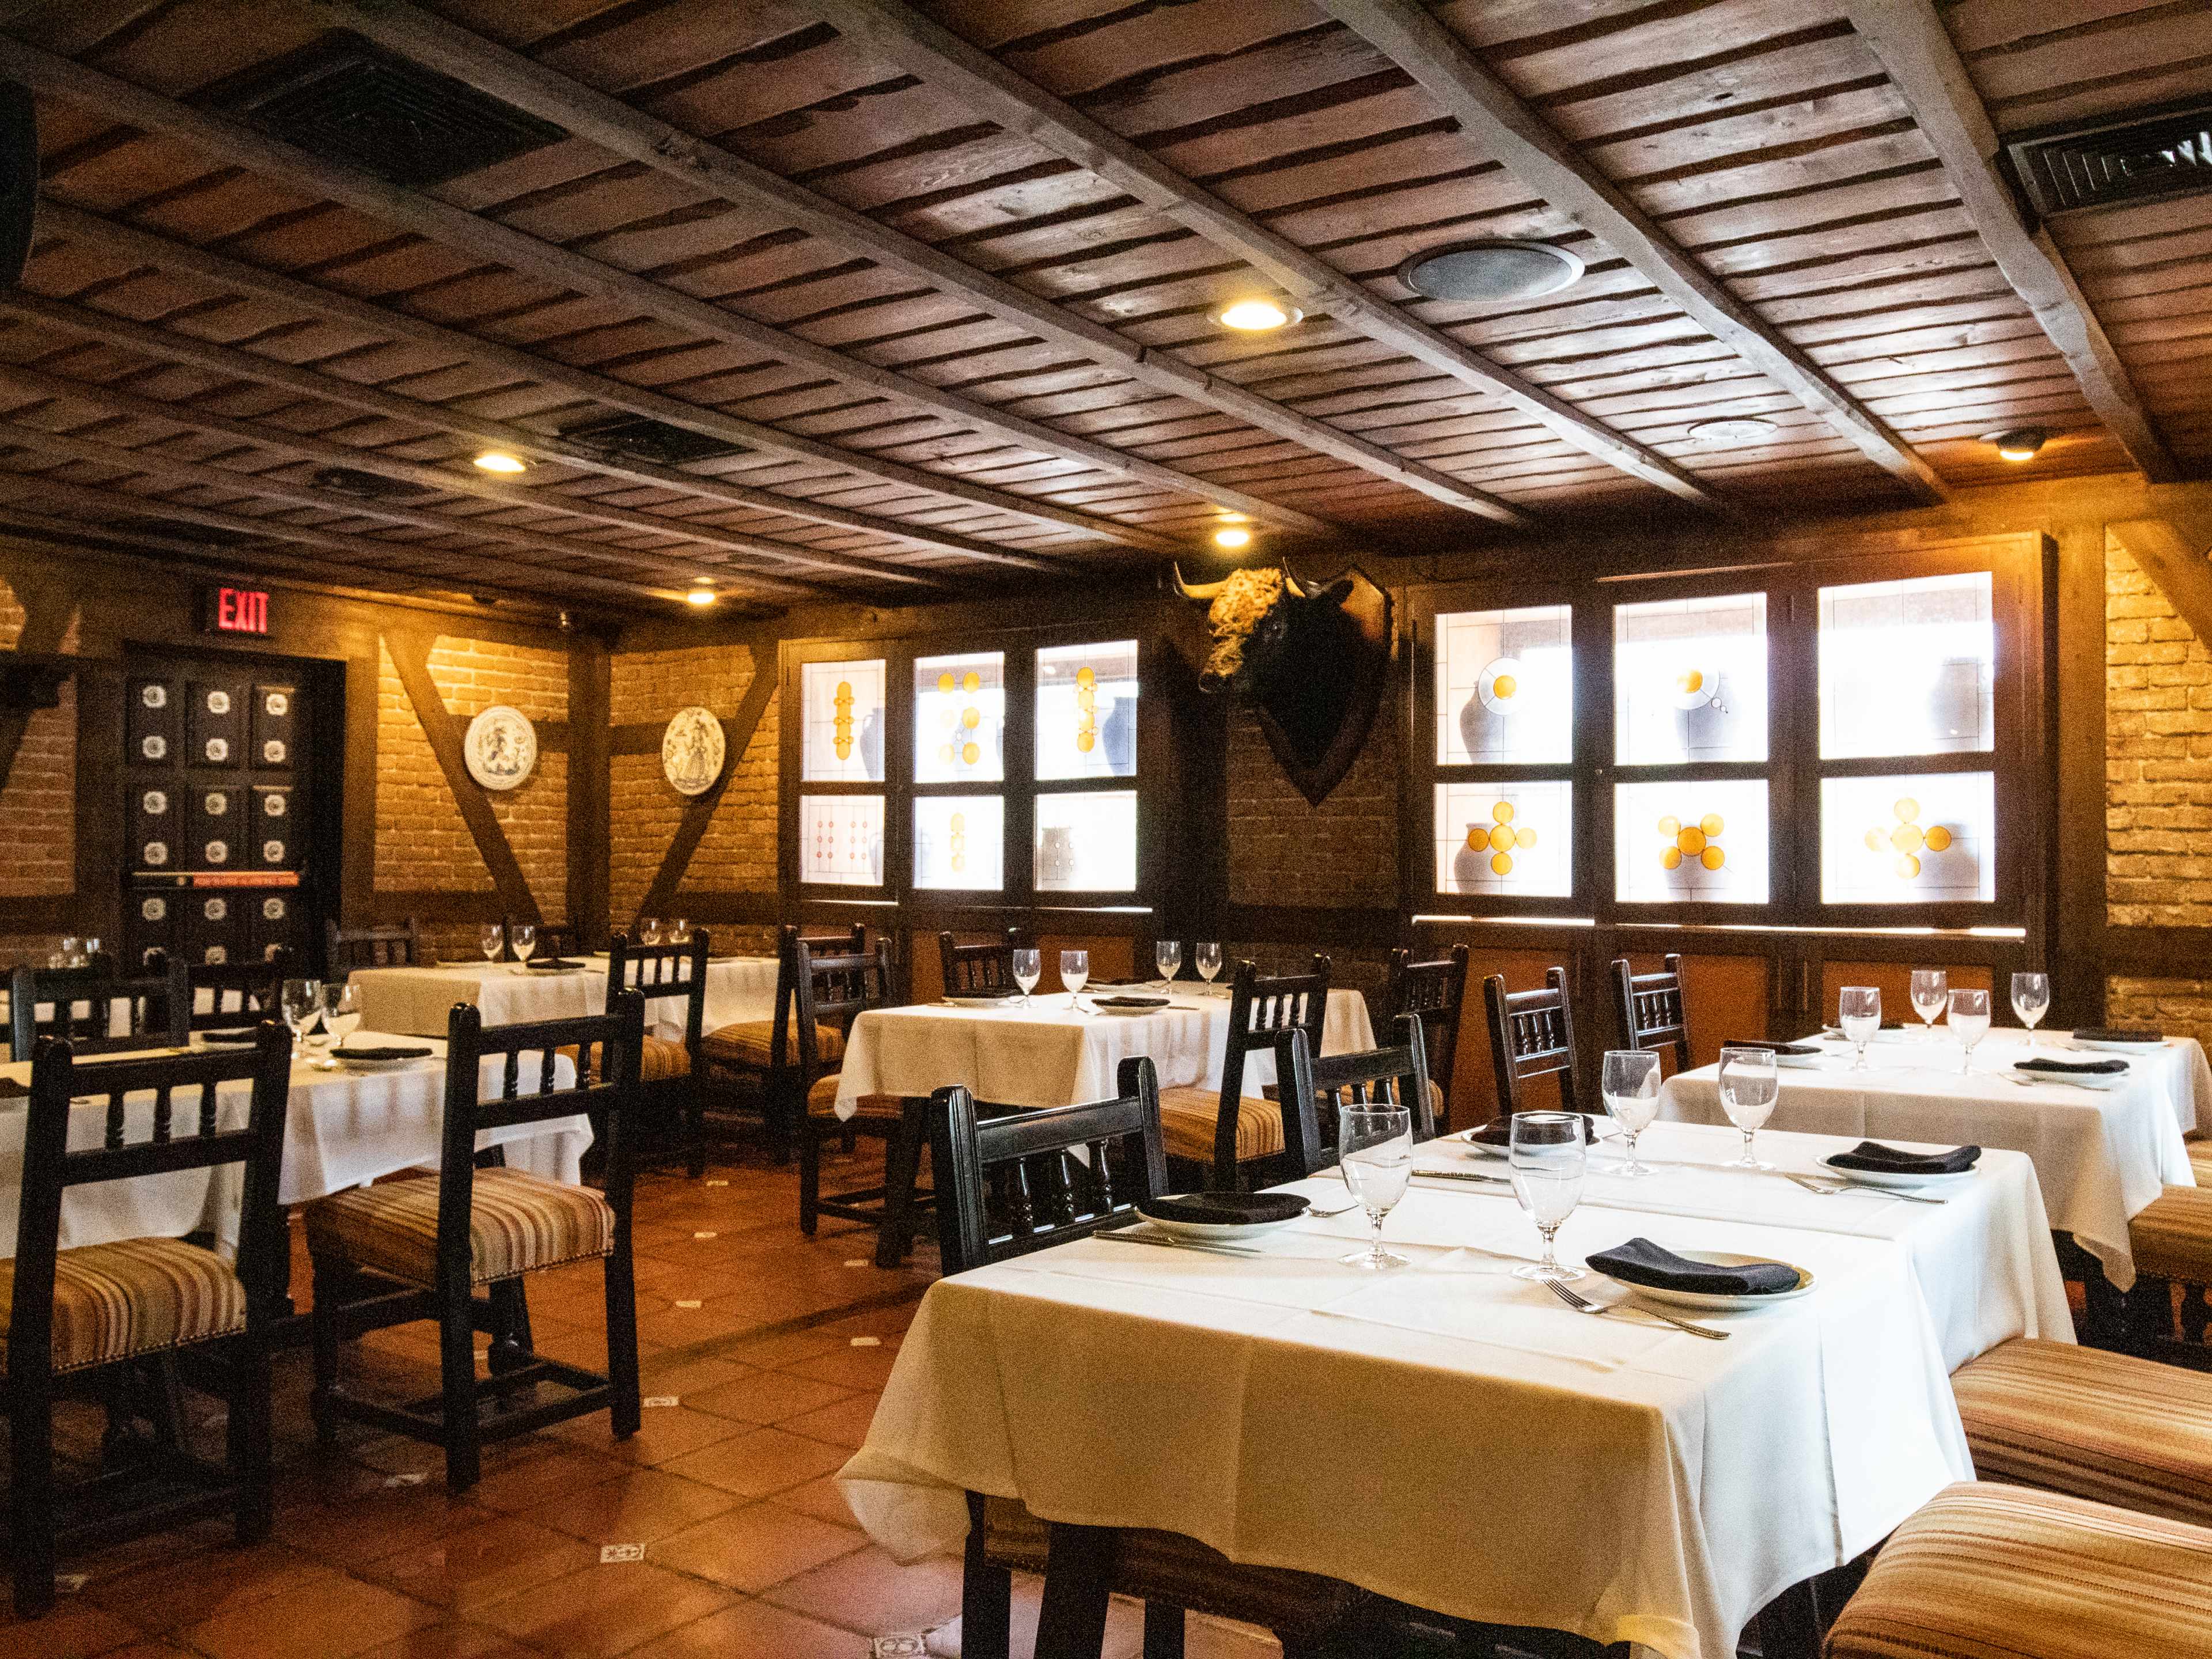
(218, 782)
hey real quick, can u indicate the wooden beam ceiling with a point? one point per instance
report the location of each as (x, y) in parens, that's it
(1917, 52)
(2173, 556)
(426, 216)
(616, 127)
(1506, 128)
(907, 38)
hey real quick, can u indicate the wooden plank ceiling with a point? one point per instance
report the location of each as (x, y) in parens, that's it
(938, 277)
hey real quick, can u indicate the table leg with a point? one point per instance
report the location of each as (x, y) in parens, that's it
(1078, 1574)
(901, 1169)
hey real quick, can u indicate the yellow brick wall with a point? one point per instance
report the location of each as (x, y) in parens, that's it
(2157, 755)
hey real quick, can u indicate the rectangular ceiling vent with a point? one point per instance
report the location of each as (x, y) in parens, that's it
(345, 101)
(2137, 158)
(645, 440)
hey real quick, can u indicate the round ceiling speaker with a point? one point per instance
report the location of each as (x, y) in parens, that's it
(1733, 429)
(1486, 272)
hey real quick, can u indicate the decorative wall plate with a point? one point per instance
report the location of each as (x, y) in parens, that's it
(692, 751)
(500, 748)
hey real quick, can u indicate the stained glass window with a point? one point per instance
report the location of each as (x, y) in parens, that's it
(1908, 667)
(1703, 843)
(1505, 687)
(1908, 840)
(1506, 838)
(1086, 711)
(959, 841)
(1087, 842)
(1689, 680)
(960, 718)
(844, 705)
(841, 840)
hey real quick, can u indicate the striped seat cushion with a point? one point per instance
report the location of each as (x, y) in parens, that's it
(822, 1100)
(2200, 1159)
(135, 1295)
(660, 1058)
(1987, 1571)
(2171, 1237)
(2095, 1424)
(751, 1041)
(518, 1223)
(1187, 1119)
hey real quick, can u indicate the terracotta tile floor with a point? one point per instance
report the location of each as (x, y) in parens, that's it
(750, 1549)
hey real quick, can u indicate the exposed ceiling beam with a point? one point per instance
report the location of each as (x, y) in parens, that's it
(484, 238)
(616, 127)
(59, 218)
(1507, 130)
(408, 471)
(1917, 51)
(991, 90)
(199, 475)
(2175, 560)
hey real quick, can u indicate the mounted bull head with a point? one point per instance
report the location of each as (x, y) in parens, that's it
(1311, 661)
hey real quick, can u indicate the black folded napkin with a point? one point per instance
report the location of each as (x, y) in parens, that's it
(1132, 1002)
(1222, 1209)
(1640, 1261)
(1774, 1048)
(1888, 1160)
(2074, 1068)
(1498, 1131)
(2118, 1034)
(383, 1051)
(1886, 1026)
(988, 993)
(546, 964)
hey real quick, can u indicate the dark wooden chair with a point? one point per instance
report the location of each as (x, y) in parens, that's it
(833, 989)
(1532, 1034)
(985, 967)
(239, 994)
(78, 1317)
(418, 1248)
(668, 1067)
(393, 946)
(81, 1006)
(1437, 992)
(1218, 1138)
(1317, 1086)
(52, 982)
(759, 1054)
(1649, 1010)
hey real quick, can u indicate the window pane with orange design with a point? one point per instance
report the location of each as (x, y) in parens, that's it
(1086, 711)
(1699, 841)
(842, 707)
(1928, 839)
(960, 842)
(1689, 680)
(1505, 839)
(1505, 687)
(960, 720)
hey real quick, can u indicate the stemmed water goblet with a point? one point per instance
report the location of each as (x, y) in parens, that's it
(1167, 954)
(679, 931)
(648, 930)
(1029, 969)
(341, 1016)
(1858, 1012)
(1749, 1087)
(1630, 1085)
(1970, 1020)
(1075, 971)
(300, 1001)
(2031, 1001)
(1931, 991)
(523, 940)
(491, 940)
(1547, 1155)
(1374, 1153)
(1207, 958)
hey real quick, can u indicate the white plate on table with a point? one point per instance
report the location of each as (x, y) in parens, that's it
(396, 1063)
(1131, 1010)
(983, 1002)
(1223, 1232)
(1803, 1062)
(1713, 1301)
(1904, 1181)
(2119, 1048)
(2077, 1079)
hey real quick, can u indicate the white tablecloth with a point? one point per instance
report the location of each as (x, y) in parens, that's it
(1047, 1054)
(341, 1129)
(418, 1001)
(1456, 1437)
(2101, 1155)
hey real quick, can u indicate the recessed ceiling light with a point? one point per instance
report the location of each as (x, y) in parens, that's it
(701, 597)
(1232, 537)
(2022, 444)
(1732, 429)
(1488, 271)
(1256, 313)
(498, 460)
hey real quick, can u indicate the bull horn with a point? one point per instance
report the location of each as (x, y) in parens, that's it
(1205, 592)
(1291, 580)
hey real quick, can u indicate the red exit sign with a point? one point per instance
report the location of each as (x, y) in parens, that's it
(236, 611)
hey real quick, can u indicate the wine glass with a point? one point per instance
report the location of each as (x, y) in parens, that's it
(1074, 969)
(523, 939)
(1375, 1152)
(1970, 1020)
(1029, 969)
(1631, 1084)
(71, 955)
(1206, 957)
(679, 931)
(341, 1015)
(1931, 988)
(1749, 1087)
(1859, 1012)
(1547, 1157)
(491, 940)
(84, 958)
(2031, 1001)
(1167, 953)
(648, 930)
(300, 1000)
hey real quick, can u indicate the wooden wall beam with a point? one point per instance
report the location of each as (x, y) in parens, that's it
(699, 811)
(1506, 129)
(2176, 562)
(1917, 51)
(907, 38)
(591, 828)
(483, 238)
(705, 166)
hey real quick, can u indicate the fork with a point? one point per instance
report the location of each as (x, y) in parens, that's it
(1583, 1304)
(1830, 1189)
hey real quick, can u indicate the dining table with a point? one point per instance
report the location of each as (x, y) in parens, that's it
(419, 1000)
(1060, 1049)
(2101, 1154)
(1457, 1438)
(342, 1127)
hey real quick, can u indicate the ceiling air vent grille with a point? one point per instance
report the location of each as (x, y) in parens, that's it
(649, 439)
(344, 100)
(2141, 158)
(368, 486)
